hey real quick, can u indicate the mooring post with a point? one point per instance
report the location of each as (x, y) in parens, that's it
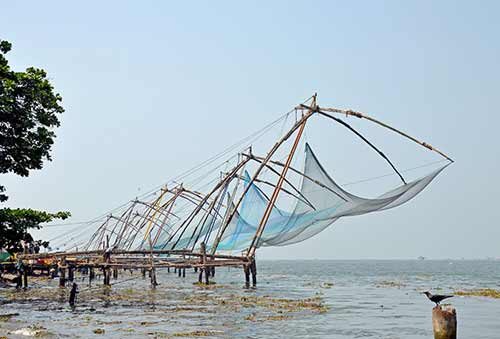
(444, 322)
(253, 270)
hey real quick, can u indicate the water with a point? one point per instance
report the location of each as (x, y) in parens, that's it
(294, 299)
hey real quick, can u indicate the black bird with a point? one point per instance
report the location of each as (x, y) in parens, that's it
(436, 298)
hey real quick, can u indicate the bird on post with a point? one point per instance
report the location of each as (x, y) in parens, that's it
(436, 298)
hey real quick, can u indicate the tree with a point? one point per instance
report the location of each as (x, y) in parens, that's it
(16, 223)
(29, 110)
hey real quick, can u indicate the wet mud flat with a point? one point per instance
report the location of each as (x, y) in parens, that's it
(133, 308)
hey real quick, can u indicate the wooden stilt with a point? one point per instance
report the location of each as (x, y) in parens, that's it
(71, 273)
(183, 272)
(19, 279)
(25, 278)
(153, 277)
(246, 270)
(91, 274)
(72, 294)
(62, 272)
(179, 272)
(253, 270)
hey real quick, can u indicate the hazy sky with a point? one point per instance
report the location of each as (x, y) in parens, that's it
(151, 88)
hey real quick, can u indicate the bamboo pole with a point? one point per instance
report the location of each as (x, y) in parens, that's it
(270, 205)
(380, 123)
(271, 152)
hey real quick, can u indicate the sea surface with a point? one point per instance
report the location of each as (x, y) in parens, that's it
(293, 299)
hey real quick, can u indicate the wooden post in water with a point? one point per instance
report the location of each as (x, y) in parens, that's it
(62, 272)
(183, 272)
(253, 270)
(444, 322)
(19, 279)
(91, 275)
(71, 274)
(153, 277)
(246, 270)
(203, 250)
(25, 278)
(105, 269)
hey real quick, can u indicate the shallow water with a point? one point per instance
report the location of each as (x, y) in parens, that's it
(294, 299)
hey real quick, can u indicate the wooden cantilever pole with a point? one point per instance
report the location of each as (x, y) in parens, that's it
(274, 197)
(262, 165)
(360, 115)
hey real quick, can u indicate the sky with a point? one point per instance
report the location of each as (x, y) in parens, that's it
(152, 88)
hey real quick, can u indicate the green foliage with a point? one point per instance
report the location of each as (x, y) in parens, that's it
(28, 116)
(29, 110)
(15, 224)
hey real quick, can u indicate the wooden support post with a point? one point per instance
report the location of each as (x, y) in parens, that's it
(246, 270)
(115, 273)
(183, 272)
(153, 277)
(143, 272)
(213, 271)
(19, 279)
(62, 272)
(203, 250)
(196, 270)
(253, 270)
(444, 322)
(91, 275)
(168, 269)
(179, 272)
(25, 280)
(72, 294)
(106, 270)
(71, 272)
